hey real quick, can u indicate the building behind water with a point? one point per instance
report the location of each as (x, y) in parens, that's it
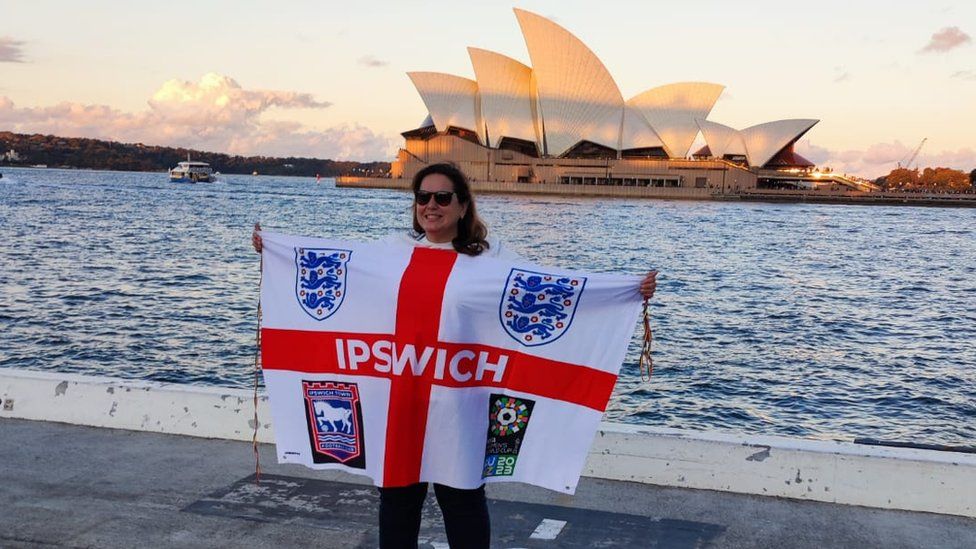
(564, 121)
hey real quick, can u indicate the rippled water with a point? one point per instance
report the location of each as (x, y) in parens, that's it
(811, 320)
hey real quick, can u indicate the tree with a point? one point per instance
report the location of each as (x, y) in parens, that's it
(930, 179)
(902, 179)
(943, 179)
(972, 178)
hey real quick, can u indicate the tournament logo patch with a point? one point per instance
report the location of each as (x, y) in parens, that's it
(508, 419)
(538, 308)
(320, 280)
(335, 422)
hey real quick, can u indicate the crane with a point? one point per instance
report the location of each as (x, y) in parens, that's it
(911, 157)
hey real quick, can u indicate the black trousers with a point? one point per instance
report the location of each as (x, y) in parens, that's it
(465, 516)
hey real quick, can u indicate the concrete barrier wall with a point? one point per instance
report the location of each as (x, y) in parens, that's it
(817, 470)
(209, 412)
(837, 472)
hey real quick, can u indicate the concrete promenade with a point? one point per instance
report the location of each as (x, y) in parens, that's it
(74, 486)
(813, 470)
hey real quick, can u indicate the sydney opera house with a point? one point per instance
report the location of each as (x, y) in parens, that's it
(564, 120)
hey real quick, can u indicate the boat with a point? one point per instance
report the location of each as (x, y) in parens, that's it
(192, 172)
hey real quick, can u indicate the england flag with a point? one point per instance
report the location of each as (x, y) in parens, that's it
(409, 364)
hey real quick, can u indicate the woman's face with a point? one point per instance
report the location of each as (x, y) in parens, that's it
(439, 222)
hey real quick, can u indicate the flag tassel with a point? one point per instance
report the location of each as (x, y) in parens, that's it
(646, 362)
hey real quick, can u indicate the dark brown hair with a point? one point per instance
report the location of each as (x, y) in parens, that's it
(472, 233)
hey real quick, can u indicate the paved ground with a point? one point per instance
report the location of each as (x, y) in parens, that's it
(71, 486)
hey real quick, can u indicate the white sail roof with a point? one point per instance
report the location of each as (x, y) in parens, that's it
(451, 100)
(637, 133)
(672, 110)
(505, 86)
(537, 114)
(577, 96)
(722, 139)
(568, 96)
(763, 141)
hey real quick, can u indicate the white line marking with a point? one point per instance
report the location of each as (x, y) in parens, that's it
(548, 529)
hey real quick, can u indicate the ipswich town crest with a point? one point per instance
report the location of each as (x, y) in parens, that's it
(320, 282)
(537, 308)
(335, 422)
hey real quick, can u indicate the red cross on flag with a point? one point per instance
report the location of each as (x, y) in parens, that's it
(411, 364)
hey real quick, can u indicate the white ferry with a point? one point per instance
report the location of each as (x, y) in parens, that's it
(192, 172)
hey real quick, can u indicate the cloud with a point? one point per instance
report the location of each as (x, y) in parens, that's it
(214, 114)
(218, 99)
(346, 142)
(946, 39)
(10, 50)
(964, 75)
(370, 61)
(880, 158)
(842, 76)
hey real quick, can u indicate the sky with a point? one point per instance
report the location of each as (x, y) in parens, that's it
(328, 79)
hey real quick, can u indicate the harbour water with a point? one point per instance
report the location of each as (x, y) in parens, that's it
(817, 321)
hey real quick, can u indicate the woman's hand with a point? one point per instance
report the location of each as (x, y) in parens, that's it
(256, 239)
(648, 285)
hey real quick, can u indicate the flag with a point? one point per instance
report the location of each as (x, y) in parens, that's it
(410, 364)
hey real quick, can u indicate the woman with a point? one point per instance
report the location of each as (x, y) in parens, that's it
(444, 216)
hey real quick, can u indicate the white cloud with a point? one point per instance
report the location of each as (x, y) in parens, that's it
(879, 159)
(220, 99)
(11, 50)
(964, 75)
(946, 39)
(371, 61)
(214, 114)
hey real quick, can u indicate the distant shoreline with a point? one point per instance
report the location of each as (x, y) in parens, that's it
(952, 200)
(30, 150)
(5, 167)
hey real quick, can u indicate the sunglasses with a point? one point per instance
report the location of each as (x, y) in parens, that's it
(443, 198)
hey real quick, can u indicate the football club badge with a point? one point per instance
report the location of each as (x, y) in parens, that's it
(320, 280)
(538, 308)
(335, 422)
(508, 419)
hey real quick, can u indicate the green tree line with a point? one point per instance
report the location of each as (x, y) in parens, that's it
(76, 152)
